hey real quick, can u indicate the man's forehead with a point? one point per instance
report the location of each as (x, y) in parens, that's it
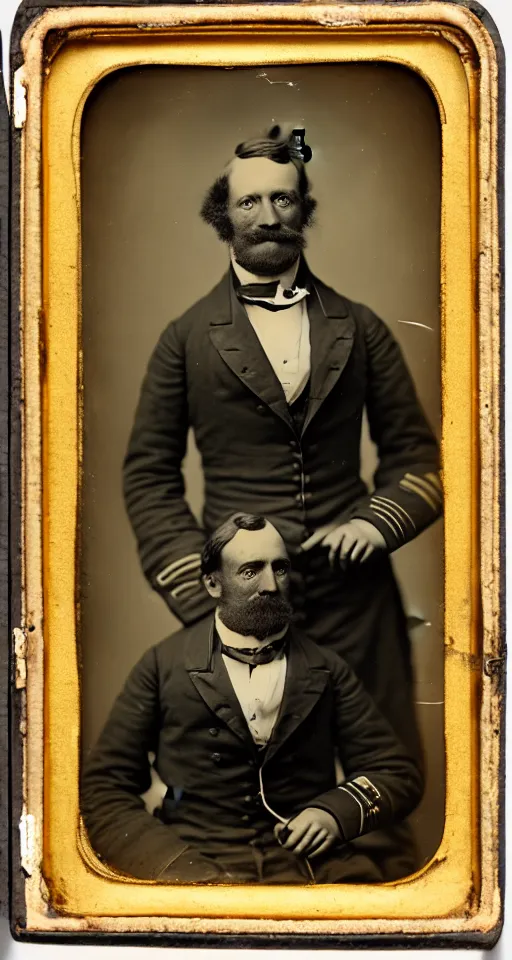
(252, 545)
(260, 175)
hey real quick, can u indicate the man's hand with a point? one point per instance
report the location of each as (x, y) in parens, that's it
(310, 833)
(353, 542)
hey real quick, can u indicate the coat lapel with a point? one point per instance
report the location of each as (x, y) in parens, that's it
(306, 679)
(332, 331)
(233, 336)
(332, 337)
(208, 673)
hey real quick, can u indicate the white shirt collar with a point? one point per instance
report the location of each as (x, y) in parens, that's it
(231, 639)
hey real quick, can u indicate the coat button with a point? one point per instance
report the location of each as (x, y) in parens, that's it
(216, 757)
(299, 498)
(214, 731)
(260, 408)
(245, 818)
(248, 799)
(294, 445)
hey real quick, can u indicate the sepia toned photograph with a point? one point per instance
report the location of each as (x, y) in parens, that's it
(262, 445)
(258, 673)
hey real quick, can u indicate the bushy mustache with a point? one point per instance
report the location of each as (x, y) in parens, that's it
(274, 602)
(278, 234)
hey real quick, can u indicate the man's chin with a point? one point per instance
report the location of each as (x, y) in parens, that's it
(267, 259)
(260, 626)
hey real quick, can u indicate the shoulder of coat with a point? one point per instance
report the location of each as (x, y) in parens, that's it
(321, 656)
(199, 313)
(172, 646)
(335, 304)
(317, 656)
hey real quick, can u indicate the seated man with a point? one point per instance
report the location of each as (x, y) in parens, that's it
(245, 718)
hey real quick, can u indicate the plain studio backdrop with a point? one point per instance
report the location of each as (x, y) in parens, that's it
(154, 139)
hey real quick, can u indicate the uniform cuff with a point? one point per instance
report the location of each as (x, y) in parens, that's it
(383, 525)
(344, 809)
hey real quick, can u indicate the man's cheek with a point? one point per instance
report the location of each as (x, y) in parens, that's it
(248, 590)
(294, 219)
(241, 221)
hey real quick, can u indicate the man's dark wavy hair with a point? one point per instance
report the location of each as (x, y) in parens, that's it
(272, 146)
(211, 556)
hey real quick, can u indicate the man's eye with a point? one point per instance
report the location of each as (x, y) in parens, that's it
(248, 574)
(246, 204)
(282, 571)
(283, 201)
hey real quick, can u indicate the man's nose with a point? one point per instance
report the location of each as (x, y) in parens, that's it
(268, 582)
(268, 214)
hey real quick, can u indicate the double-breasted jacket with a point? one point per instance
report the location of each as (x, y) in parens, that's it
(209, 372)
(178, 703)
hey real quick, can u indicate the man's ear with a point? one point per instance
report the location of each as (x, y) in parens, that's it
(213, 585)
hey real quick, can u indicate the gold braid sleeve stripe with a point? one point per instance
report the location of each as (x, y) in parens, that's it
(399, 510)
(426, 485)
(435, 479)
(185, 587)
(412, 488)
(382, 511)
(392, 524)
(360, 805)
(175, 570)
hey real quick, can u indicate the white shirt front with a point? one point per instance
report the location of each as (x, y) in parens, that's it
(284, 335)
(259, 690)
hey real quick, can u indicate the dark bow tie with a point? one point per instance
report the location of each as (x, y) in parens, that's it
(258, 292)
(255, 656)
(259, 289)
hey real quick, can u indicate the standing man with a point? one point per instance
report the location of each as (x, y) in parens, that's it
(244, 716)
(273, 371)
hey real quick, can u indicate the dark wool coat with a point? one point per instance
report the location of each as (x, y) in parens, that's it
(210, 372)
(179, 704)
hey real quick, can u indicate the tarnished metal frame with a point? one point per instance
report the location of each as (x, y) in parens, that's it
(4, 499)
(51, 902)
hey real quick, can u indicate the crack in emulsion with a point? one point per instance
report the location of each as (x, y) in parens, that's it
(415, 323)
(287, 83)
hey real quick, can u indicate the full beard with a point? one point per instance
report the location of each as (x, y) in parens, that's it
(252, 253)
(261, 617)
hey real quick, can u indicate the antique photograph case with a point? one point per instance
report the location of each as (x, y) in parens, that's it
(134, 239)
(258, 640)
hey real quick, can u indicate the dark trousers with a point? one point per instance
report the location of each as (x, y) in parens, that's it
(265, 861)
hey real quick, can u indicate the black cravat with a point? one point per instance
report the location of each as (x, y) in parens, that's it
(255, 656)
(252, 292)
(259, 289)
